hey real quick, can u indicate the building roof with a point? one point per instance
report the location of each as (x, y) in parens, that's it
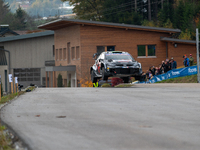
(61, 23)
(178, 40)
(6, 29)
(26, 36)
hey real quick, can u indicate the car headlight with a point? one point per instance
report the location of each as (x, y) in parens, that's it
(139, 65)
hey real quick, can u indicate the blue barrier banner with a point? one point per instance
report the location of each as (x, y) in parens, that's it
(187, 71)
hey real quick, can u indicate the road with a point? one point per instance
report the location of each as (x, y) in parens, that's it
(144, 117)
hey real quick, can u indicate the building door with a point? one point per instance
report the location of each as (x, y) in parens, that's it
(100, 49)
(6, 82)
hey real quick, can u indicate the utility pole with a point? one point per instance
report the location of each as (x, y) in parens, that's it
(162, 4)
(149, 10)
(136, 6)
(197, 45)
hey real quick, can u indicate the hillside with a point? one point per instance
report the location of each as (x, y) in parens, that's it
(42, 8)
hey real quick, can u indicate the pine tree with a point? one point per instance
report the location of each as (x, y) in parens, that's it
(4, 9)
(59, 83)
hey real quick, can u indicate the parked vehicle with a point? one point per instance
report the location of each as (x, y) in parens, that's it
(115, 64)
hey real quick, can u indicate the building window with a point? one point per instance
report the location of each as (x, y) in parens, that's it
(3, 60)
(146, 50)
(64, 54)
(110, 48)
(151, 50)
(60, 54)
(56, 54)
(77, 52)
(73, 53)
(68, 53)
(53, 50)
(141, 50)
(27, 74)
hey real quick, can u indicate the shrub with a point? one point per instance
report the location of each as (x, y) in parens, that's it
(86, 82)
(106, 85)
(69, 84)
(116, 81)
(59, 84)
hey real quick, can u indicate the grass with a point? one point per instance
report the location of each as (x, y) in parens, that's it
(124, 85)
(5, 141)
(186, 79)
(106, 85)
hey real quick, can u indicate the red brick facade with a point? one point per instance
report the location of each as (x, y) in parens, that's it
(86, 38)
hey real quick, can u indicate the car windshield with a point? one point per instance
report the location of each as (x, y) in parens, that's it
(119, 57)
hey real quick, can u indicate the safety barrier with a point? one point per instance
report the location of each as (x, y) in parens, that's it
(174, 74)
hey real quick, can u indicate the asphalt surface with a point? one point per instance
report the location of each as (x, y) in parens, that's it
(145, 117)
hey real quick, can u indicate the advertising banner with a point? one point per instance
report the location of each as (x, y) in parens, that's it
(187, 71)
(10, 77)
(16, 80)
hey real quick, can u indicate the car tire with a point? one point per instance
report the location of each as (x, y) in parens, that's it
(94, 80)
(103, 74)
(137, 77)
(125, 79)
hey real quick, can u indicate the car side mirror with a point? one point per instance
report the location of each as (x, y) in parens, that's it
(95, 56)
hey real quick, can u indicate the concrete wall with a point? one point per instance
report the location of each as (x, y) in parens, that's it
(30, 53)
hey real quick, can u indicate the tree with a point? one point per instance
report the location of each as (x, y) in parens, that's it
(59, 83)
(4, 10)
(87, 9)
(121, 11)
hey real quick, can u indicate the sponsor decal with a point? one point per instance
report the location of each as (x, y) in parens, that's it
(158, 79)
(192, 70)
(175, 73)
(163, 78)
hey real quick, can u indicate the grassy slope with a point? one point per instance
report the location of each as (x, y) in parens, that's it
(186, 79)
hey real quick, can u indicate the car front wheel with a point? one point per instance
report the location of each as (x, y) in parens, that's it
(126, 79)
(94, 80)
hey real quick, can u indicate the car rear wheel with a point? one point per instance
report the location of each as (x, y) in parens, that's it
(126, 79)
(94, 80)
(137, 77)
(103, 74)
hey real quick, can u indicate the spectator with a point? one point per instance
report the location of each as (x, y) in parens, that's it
(174, 64)
(153, 70)
(166, 66)
(143, 77)
(191, 59)
(160, 70)
(186, 61)
(147, 74)
(170, 64)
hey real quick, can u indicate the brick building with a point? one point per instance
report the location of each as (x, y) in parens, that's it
(77, 40)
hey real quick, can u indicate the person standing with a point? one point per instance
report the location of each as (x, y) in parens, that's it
(174, 64)
(191, 59)
(186, 61)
